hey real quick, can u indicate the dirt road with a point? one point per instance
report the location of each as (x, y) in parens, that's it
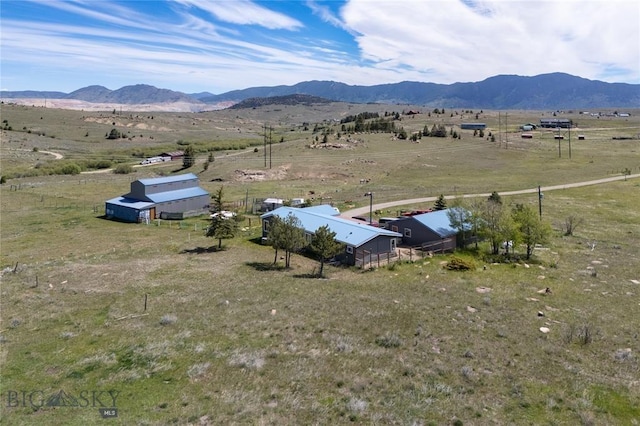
(361, 211)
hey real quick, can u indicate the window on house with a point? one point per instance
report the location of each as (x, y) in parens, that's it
(350, 249)
(394, 228)
(393, 244)
(265, 225)
(407, 232)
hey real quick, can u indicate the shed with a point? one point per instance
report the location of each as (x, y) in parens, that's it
(432, 231)
(363, 243)
(269, 204)
(174, 155)
(172, 197)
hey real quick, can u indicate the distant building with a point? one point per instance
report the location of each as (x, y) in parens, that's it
(173, 155)
(172, 197)
(473, 126)
(553, 123)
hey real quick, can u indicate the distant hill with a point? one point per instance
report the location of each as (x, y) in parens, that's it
(280, 100)
(543, 92)
(131, 95)
(200, 95)
(8, 94)
(546, 91)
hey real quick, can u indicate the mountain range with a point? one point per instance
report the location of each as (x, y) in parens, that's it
(542, 92)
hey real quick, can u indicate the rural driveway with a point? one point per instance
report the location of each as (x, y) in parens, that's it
(361, 211)
(55, 154)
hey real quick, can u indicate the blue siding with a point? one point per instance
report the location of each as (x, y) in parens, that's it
(121, 212)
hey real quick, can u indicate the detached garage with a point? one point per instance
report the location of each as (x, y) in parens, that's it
(173, 197)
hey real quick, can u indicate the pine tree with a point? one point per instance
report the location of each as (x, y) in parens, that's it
(441, 203)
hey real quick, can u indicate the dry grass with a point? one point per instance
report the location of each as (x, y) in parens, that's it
(241, 343)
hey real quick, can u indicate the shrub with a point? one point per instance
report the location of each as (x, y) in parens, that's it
(389, 340)
(460, 264)
(69, 169)
(123, 169)
(168, 319)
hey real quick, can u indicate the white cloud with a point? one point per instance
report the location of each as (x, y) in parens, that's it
(462, 43)
(244, 12)
(226, 45)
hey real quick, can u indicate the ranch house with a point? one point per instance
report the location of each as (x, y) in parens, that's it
(173, 197)
(363, 244)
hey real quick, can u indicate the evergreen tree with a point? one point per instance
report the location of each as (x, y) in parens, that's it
(495, 197)
(324, 245)
(189, 158)
(222, 228)
(114, 134)
(218, 200)
(441, 203)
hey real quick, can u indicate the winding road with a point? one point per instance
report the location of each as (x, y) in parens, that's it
(361, 211)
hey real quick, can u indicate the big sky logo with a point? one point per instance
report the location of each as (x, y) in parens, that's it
(105, 401)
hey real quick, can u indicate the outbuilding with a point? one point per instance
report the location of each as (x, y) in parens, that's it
(431, 231)
(172, 197)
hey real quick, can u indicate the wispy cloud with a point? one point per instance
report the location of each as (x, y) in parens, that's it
(219, 45)
(244, 12)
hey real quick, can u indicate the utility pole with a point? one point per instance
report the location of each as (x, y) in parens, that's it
(559, 136)
(264, 127)
(540, 195)
(499, 130)
(270, 143)
(570, 140)
(506, 132)
(370, 195)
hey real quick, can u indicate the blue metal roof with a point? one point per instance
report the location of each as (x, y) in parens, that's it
(438, 221)
(325, 209)
(178, 194)
(347, 231)
(167, 179)
(130, 203)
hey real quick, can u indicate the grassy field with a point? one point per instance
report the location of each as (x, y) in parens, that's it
(153, 321)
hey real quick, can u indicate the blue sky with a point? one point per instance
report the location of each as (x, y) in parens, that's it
(222, 45)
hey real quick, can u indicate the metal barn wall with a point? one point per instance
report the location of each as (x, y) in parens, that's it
(380, 244)
(184, 205)
(126, 214)
(171, 186)
(420, 234)
(140, 191)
